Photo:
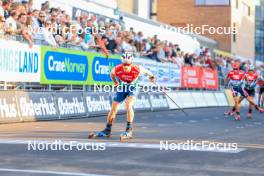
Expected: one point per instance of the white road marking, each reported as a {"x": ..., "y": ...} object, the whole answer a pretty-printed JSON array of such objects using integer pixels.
[
  {"x": 47, "y": 172},
  {"x": 127, "y": 145}
]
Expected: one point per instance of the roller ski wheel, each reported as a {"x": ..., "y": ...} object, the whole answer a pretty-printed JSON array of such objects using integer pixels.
[
  {"x": 237, "y": 118},
  {"x": 127, "y": 135},
  {"x": 229, "y": 113},
  {"x": 98, "y": 135},
  {"x": 250, "y": 116}
]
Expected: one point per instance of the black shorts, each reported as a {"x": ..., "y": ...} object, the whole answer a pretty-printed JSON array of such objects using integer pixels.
[
  {"x": 261, "y": 90},
  {"x": 251, "y": 92},
  {"x": 236, "y": 91}
]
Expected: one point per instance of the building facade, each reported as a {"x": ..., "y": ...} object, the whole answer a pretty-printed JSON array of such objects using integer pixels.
[
  {"x": 217, "y": 19},
  {"x": 142, "y": 8},
  {"x": 260, "y": 32}
]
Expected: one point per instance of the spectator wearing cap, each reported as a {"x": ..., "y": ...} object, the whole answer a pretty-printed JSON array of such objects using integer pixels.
[{"x": 11, "y": 23}]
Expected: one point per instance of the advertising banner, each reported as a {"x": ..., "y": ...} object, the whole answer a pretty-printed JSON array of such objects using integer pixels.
[
  {"x": 142, "y": 102},
  {"x": 63, "y": 66},
  {"x": 73, "y": 67},
  {"x": 209, "y": 78},
  {"x": 18, "y": 62},
  {"x": 191, "y": 77},
  {"x": 167, "y": 74},
  {"x": 174, "y": 76},
  {"x": 70, "y": 104},
  {"x": 97, "y": 103},
  {"x": 147, "y": 64},
  {"x": 36, "y": 106},
  {"x": 100, "y": 69},
  {"x": 158, "y": 101},
  {"x": 9, "y": 112}
]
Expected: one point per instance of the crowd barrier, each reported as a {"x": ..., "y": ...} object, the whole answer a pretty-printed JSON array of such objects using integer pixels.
[{"x": 21, "y": 106}]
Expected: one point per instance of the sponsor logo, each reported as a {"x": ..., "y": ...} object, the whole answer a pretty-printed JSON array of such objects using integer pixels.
[
  {"x": 18, "y": 61},
  {"x": 64, "y": 66},
  {"x": 158, "y": 101},
  {"x": 8, "y": 109},
  {"x": 102, "y": 68},
  {"x": 70, "y": 106},
  {"x": 142, "y": 102},
  {"x": 97, "y": 104},
  {"x": 40, "y": 108}
]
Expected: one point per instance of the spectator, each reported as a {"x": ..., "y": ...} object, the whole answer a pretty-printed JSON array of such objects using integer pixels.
[
  {"x": 47, "y": 34},
  {"x": 101, "y": 44},
  {"x": 73, "y": 37},
  {"x": 188, "y": 60},
  {"x": 209, "y": 62},
  {"x": 35, "y": 17},
  {"x": 161, "y": 53},
  {"x": 22, "y": 27},
  {"x": 11, "y": 24},
  {"x": 4, "y": 8},
  {"x": 2, "y": 29},
  {"x": 138, "y": 40}
]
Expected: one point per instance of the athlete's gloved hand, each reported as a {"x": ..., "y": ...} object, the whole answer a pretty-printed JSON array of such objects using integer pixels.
[{"x": 116, "y": 84}]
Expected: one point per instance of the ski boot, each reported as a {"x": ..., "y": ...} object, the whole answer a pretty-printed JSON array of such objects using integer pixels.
[{"x": 100, "y": 134}]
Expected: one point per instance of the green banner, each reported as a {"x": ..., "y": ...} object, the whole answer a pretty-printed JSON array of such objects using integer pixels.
[{"x": 74, "y": 67}]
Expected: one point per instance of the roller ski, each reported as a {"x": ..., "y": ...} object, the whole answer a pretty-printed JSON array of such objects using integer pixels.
[
  {"x": 250, "y": 115},
  {"x": 126, "y": 135},
  {"x": 100, "y": 134},
  {"x": 229, "y": 113}
]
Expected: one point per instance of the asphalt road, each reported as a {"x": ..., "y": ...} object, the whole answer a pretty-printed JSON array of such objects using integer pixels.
[{"x": 141, "y": 155}]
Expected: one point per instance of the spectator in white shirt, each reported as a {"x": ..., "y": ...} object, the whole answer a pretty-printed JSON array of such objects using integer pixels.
[
  {"x": 11, "y": 23},
  {"x": 47, "y": 34},
  {"x": 4, "y": 8}
]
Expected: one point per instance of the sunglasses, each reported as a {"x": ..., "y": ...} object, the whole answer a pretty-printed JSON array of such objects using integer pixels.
[{"x": 126, "y": 64}]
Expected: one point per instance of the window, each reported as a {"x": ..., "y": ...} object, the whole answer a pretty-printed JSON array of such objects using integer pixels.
[
  {"x": 234, "y": 35},
  {"x": 237, "y": 4},
  {"x": 245, "y": 9},
  {"x": 212, "y": 2}
]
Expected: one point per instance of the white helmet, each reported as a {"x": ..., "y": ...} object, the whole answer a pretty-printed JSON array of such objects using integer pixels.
[
  {"x": 251, "y": 67},
  {"x": 127, "y": 57}
]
